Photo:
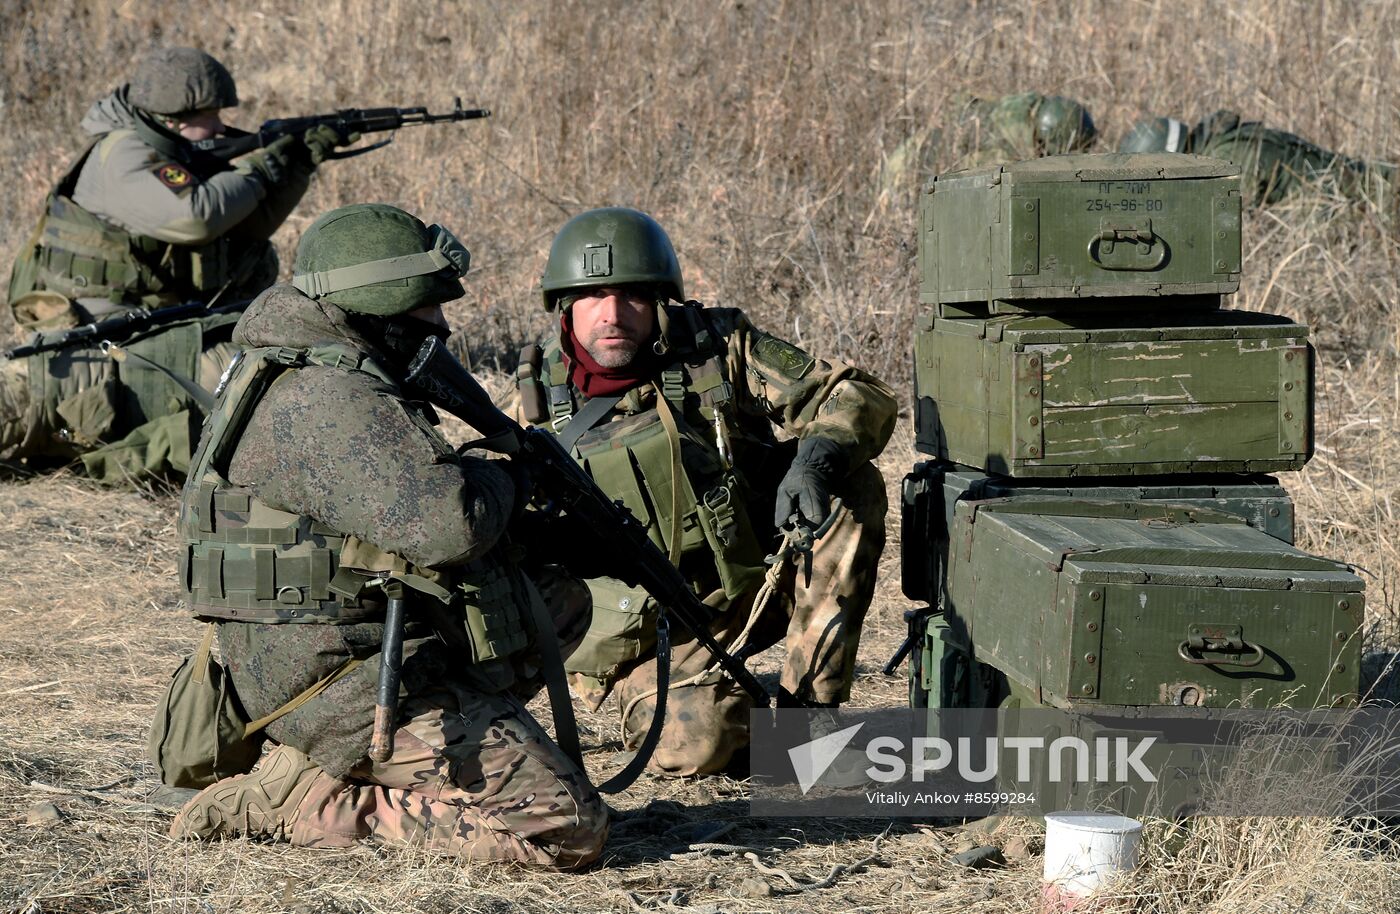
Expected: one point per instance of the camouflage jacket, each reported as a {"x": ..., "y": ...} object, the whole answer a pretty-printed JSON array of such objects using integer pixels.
[
  {"x": 730, "y": 386},
  {"x": 1275, "y": 164},
  {"x": 159, "y": 189},
  {"x": 356, "y": 455},
  {"x": 774, "y": 384}
]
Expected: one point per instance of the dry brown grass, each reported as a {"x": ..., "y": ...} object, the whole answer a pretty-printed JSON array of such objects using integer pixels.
[{"x": 755, "y": 131}]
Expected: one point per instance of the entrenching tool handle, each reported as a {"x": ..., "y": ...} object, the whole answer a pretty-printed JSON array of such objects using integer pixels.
[{"x": 386, "y": 706}]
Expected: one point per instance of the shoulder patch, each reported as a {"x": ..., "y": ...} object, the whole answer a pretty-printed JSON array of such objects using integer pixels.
[
  {"x": 173, "y": 176},
  {"x": 782, "y": 355}
]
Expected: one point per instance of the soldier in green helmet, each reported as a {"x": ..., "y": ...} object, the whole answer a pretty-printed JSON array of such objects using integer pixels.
[
  {"x": 672, "y": 408},
  {"x": 143, "y": 218},
  {"x": 1012, "y": 128},
  {"x": 1273, "y": 164},
  {"x": 321, "y": 490}
]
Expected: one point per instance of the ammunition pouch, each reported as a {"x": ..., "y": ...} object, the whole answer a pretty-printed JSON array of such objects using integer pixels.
[
  {"x": 622, "y": 629},
  {"x": 79, "y": 256},
  {"x": 247, "y": 561},
  {"x": 631, "y": 460},
  {"x": 81, "y": 399}
]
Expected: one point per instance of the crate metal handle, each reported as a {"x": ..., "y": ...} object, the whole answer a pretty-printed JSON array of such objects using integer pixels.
[
  {"x": 1185, "y": 649},
  {"x": 1144, "y": 239}
]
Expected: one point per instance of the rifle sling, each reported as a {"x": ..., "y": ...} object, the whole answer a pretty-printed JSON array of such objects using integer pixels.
[
  {"x": 633, "y": 769},
  {"x": 203, "y": 398},
  {"x": 561, "y": 705},
  {"x": 590, "y": 415}
]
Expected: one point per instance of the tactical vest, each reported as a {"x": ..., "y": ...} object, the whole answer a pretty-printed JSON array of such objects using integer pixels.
[
  {"x": 79, "y": 255},
  {"x": 247, "y": 561},
  {"x": 631, "y": 459},
  {"x": 82, "y": 399}
]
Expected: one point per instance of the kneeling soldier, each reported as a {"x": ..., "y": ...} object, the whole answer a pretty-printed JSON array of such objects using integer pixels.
[
  {"x": 672, "y": 407},
  {"x": 320, "y": 494}
]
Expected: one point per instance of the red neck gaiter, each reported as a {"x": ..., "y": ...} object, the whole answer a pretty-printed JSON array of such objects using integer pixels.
[{"x": 594, "y": 380}]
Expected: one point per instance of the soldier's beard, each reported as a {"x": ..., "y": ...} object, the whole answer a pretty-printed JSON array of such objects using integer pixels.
[{"x": 620, "y": 350}]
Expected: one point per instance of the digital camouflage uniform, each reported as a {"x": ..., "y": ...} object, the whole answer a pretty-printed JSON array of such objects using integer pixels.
[
  {"x": 141, "y": 219},
  {"x": 1273, "y": 164},
  {"x": 1012, "y": 128},
  {"x": 725, "y": 381},
  {"x": 334, "y": 449}
]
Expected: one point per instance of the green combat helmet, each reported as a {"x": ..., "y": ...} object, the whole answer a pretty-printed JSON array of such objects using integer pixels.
[
  {"x": 1063, "y": 125},
  {"x": 1160, "y": 134},
  {"x": 178, "y": 80},
  {"x": 612, "y": 246},
  {"x": 372, "y": 258}
]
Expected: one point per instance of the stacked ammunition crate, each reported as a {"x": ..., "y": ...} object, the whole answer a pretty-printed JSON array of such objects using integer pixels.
[{"x": 1096, "y": 526}]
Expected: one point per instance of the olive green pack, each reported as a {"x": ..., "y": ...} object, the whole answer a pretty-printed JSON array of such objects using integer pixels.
[
  {"x": 1078, "y": 232},
  {"x": 200, "y": 733}
]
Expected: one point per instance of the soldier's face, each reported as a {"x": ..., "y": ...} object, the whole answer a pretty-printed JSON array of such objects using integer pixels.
[
  {"x": 201, "y": 125},
  {"x": 431, "y": 314},
  {"x": 613, "y": 323}
]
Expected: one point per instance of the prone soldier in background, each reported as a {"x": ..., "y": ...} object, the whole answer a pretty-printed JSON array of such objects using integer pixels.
[
  {"x": 321, "y": 473},
  {"x": 1023, "y": 125},
  {"x": 671, "y": 408},
  {"x": 143, "y": 219},
  {"x": 1273, "y": 164}
]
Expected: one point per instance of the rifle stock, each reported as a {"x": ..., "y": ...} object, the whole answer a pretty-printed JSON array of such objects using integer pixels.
[{"x": 449, "y": 385}]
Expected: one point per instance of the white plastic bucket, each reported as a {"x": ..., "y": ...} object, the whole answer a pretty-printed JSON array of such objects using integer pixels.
[{"x": 1084, "y": 850}]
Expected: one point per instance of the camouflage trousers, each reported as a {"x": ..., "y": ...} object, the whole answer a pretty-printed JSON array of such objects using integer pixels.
[
  {"x": 819, "y": 623},
  {"x": 471, "y": 776}
]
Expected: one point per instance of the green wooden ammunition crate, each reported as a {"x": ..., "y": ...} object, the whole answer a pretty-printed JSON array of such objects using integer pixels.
[
  {"x": 933, "y": 489},
  {"x": 1081, "y": 603},
  {"x": 1040, "y": 396},
  {"x": 1077, "y": 231}
]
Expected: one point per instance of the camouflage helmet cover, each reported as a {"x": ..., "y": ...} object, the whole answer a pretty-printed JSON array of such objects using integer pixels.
[
  {"x": 179, "y": 80},
  {"x": 1158, "y": 134},
  {"x": 611, "y": 246},
  {"x": 372, "y": 258},
  {"x": 1063, "y": 125}
]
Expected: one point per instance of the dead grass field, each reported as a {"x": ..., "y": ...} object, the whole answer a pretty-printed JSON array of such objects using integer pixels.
[{"x": 755, "y": 130}]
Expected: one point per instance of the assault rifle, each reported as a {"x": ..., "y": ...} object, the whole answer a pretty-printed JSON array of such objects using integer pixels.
[
  {"x": 445, "y": 383},
  {"x": 346, "y": 121},
  {"x": 120, "y": 327}
]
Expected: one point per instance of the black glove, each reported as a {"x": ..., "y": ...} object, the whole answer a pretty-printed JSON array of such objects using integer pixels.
[
  {"x": 818, "y": 468},
  {"x": 274, "y": 162},
  {"x": 321, "y": 141}
]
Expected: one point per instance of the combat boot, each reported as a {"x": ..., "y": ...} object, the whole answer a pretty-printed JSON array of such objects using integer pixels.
[
  {"x": 259, "y": 804},
  {"x": 845, "y": 771}
]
